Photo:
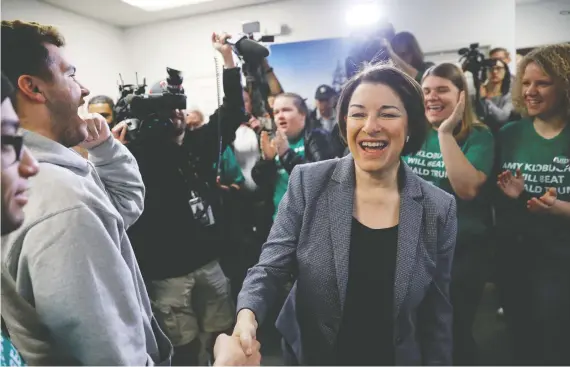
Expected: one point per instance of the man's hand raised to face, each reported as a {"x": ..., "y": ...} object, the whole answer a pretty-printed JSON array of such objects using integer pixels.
[{"x": 97, "y": 131}]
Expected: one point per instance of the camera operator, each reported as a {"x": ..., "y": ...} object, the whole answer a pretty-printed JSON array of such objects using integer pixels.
[
  {"x": 177, "y": 238},
  {"x": 368, "y": 46},
  {"x": 406, "y": 53}
]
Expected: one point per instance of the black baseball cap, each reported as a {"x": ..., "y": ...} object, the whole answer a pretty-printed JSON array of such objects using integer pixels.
[{"x": 324, "y": 92}]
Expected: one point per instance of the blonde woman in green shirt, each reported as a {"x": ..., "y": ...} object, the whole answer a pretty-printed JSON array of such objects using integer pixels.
[
  {"x": 533, "y": 210},
  {"x": 458, "y": 157}
]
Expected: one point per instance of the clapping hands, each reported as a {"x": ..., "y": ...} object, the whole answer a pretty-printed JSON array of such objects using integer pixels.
[
  {"x": 544, "y": 203},
  {"x": 511, "y": 185}
]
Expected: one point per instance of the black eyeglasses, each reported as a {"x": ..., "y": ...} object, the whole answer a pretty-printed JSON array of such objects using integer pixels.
[{"x": 16, "y": 142}]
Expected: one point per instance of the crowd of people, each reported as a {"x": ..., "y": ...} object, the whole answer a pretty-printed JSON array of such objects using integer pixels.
[{"x": 363, "y": 229}]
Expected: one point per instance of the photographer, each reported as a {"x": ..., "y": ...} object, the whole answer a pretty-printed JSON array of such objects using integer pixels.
[
  {"x": 406, "y": 53},
  {"x": 368, "y": 46},
  {"x": 177, "y": 238}
]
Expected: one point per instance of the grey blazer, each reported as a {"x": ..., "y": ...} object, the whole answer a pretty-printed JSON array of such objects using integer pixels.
[{"x": 310, "y": 242}]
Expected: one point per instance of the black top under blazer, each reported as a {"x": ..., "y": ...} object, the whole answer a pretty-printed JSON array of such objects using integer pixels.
[{"x": 309, "y": 244}]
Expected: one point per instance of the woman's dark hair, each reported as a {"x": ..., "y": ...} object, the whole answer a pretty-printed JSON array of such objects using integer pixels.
[
  {"x": 506, "y": 83},
  {"x": 410, "y": 43},
  {"x": 405, "y": 87},
  {"x": 102, "y": 100}
]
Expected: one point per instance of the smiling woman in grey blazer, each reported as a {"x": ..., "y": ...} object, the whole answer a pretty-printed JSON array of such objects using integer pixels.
[{"x": 368, "y": 244}]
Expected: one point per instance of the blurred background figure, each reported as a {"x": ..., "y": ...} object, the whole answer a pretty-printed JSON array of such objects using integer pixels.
[
  {"x": 495, "y": 93},
  {"x": 104, "y": 106},
  {"x": 324, "y": 115},
  {"x": 406, "y": 53},
  {"x": 194, "y": 119}
]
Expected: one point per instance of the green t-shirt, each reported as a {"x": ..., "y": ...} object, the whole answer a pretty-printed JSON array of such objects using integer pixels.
[
  {"x": 230, "y": 171},
  {"x": 473, "y": 216},
  {"x": 544, "y": 163},
  {"x": 298, "y": 147}
]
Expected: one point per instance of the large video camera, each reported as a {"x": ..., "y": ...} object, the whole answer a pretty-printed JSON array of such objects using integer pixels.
[
  {"x": 150, "y": 113},
  {"x": 252, "y": 54},
  {"x": 475, "y": 62}
]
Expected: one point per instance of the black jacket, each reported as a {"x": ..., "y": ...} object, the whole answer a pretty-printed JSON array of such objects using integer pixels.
[
  {"x": 317, "y": 148},
  {"x": 338, "y": 145},
  {"x": 167, "y": 240}
]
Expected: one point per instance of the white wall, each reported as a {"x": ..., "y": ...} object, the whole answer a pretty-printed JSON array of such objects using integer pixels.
[
  {"x": 96, "y": 49},
  {"x": 439, "y": 25},
  {"x": 540, "y": 24}
]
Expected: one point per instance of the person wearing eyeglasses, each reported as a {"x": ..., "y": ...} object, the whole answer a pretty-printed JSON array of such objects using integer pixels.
[
  {"x": 496, "y": 100},
  {"x": 17, "y": 166}
]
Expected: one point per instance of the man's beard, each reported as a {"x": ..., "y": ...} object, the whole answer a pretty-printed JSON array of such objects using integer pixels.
[
  {"x": 246, "y": 140},
  {"x": 65, "y": 123}
]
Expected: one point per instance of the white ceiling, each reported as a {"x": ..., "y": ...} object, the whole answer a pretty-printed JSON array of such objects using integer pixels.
[{"x": 118, "y": 13}]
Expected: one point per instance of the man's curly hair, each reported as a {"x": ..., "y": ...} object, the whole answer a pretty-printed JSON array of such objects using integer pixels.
[{"x": 555, "y": 62}]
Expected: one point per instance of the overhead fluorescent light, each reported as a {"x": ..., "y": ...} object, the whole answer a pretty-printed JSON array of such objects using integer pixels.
[
  {"x": 158, "y": 5},
  {"x": 363, "y": 15}
]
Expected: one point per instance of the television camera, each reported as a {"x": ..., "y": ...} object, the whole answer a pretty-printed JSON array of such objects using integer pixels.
[
  {"x": 252, "y": 54},
  {"x": 475, "y": 62},
  {"x": 149, "y": 113}
]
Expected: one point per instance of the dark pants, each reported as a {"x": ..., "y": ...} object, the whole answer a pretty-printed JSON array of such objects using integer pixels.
[
  {"x": 468, "y": 277},
  {"x": 535, "y": 292}
]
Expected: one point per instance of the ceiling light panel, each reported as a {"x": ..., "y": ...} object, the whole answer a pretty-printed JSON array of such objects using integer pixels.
[{"x": 158, "y": 5}]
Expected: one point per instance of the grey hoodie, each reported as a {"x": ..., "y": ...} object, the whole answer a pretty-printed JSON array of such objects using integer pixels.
[{"x": 73, "y": 263}]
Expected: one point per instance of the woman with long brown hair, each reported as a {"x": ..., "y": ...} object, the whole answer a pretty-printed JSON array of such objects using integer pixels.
[{"x": 458, "y": 158}]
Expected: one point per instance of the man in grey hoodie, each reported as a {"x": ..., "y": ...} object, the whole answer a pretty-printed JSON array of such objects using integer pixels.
[{"x": 71, "y": 259}]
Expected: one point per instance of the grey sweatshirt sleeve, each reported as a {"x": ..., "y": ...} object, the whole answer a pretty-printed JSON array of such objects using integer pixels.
[
  {"x": 83, "y": 290},
  {"x": 119, "y": 171},
  {"x": 502, "y": 111}
]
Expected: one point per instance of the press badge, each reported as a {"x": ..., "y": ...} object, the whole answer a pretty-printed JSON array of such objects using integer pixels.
[{"x": 203, "y": 215}]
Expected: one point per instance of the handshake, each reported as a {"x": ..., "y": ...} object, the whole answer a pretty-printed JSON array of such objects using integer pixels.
[{"x": 241, "y": 348}]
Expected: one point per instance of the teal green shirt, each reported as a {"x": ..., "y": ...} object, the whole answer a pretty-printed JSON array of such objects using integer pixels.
[
  {"x": 479, "y": 149},
  {"x": 9, "y": 355},
  {"x": 544, "y": 163},
  {"x": 298, "y": 147},
  {"x": 230, "y": 171}
]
